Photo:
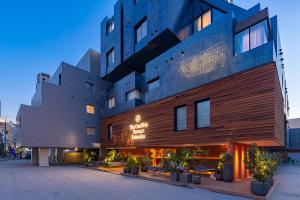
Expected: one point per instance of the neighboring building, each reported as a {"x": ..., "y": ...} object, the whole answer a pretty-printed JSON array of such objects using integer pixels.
[
  {"x": 174, "y": 73},
  {"x": 64, "y": 111},
  {"x": 293, "y": 144}
]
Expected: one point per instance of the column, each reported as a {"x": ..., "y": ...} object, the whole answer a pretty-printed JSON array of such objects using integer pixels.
[{"x": 43, "y": 157}]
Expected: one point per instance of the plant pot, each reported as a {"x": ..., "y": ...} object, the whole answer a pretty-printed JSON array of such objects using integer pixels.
[
  {"x": 196, "y": 179},
  {"x": 135, "y": 171},
  {"x": 117, "y": 164},
  {"x": 270, "y": 182},
  {"x": 228, "y": 172},
  {"x": 174, "y": 176},
  {"x": 126, "y": 170},
  {"x": 185, "y": 178},
  {"x": 219, "y": 176},
  {"x": 144, "y": 169},
  {"x": 259, "y": 188}
]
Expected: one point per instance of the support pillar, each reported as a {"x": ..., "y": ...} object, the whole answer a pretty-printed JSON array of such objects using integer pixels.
[
  {"x": 43, "y": 157},
  {"x": 60, "y": 155},
  {"x": 34, "y": 156}
]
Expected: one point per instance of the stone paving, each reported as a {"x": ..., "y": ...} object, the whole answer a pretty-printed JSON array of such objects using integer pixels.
[
  {"x": 288, "y": 187},
  {"x": 21, "y": 181}
]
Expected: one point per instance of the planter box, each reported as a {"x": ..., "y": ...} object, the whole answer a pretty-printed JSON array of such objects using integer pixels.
[
  {"x": 174, "y": 176},
  {"x": 228, "y": 172},
  {"x": 259, "y": 188},
  {"x": 117, "y": 164},
  {"x": 196, "y": 179},
  {"x": 144, "y": 168},
  {"x": 185, "y": 177},
  {"x": 219, "y": 177},
  {"x": 126, "y": 171},
  {"x": 135, "y": 171}
]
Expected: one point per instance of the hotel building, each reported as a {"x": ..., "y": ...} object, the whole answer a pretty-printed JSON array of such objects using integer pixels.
[{"x": 182, "y": 73}]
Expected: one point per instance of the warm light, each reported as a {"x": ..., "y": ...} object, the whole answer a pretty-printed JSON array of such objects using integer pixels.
[
  {"x": 90, "y": 109},
  {"x": 236, "y": 163},
  {"x": 138, "y": 129},
  {"x": 242, "y": 163},
  {"x": 76, "y": 149}
]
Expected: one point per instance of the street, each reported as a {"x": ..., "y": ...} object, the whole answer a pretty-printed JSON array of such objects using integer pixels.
[{"x": 21, "y": 181}]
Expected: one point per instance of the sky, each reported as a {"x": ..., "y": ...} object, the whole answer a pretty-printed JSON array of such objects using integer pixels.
[{"x": 35, "y": 36}]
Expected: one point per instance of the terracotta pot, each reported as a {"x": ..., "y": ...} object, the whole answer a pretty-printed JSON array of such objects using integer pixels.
[{"x": 135, "y": 171}]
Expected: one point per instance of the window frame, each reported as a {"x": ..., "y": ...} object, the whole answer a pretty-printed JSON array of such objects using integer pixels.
[
  {"x": 130, "y": 91},
  {"x": 111, "y": 105},
  {"x": 196, "y": 113},
  {"x": 111, "y": 51},
  {"x": 109, "y": 132},
  {"x": 175, "y": 118},
  {"x": 268, "y": 35},
  {"x": 87, "y": 109},
  {"x": 110, "y": 26},
  {"x": 90, "y": 127},
  {"x": 195, "y": 28},
  {"x": 138, "y": 26},
  {"x": 153, "y": 81}
]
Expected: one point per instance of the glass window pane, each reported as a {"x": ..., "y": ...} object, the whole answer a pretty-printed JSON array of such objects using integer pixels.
[
  {"x": 206, "y": 19},
  {"x": 181, "y": 118},
  {"x": 110, "y": 132},
  {"x": 141, "y": 31},
  {"x": 90, "y": 130},
  {"x": 241, "y": 42},
  {"x": 153, "y": 84},
  {"x": 144, "y": 29},
  {"x": 90, "y": 109},
  {"x": 203, "y": 114},
  {"x": 258, "y": 34},
  {"x": 198, "y": 24},
  {"x": 135, "y": 94},
  {"x": 111, "y": 102}
]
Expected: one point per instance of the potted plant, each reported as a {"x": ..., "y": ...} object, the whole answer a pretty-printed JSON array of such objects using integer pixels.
[
  {"x": 170, "y": 163},
  {"x": 146, "y": 163},
  {"x": 261, "y": 165},
  {"x": 228, "y": 168},
  {"x": 88, "y": 157},
  {"x": 185, "y": 156},
  {"x": 132, "y": 166},
  {"x": 220, "y": 166}
]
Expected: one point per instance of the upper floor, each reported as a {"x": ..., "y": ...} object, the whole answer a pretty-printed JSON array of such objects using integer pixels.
[{"x": 155, "y": 49}]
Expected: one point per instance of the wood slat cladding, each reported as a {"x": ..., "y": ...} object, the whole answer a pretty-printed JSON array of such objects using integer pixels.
[{"x": 245, "y": 108}]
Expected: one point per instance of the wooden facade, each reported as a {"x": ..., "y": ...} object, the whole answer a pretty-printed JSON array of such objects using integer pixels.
[{"x": 245, "y": 108}]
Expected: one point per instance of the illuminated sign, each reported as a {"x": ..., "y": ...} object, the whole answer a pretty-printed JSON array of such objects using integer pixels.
[{"x": 138, "y": 129}]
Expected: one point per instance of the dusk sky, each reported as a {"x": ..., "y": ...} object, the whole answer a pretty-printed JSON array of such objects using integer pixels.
[{"x": 35, "y": 36}]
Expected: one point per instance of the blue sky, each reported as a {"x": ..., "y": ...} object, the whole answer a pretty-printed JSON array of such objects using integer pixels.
[{"x": 35, "y": 36}]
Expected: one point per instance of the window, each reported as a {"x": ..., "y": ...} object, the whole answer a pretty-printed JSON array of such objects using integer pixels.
[
  {"x": 251, "y": 38},
  {"x": 153, "y": 84},
  {"x": 90, "y": 109},
  {"x": 134, "y": 94},
  {"x": 180, "y": 118},
  {"x": 203, "y": 114},
  {"x": 90, "y": 130},
  {"x": 259, "y": 34},
  {"x": 110, "y": 132},
  {"x": 110, "y": 58},
  {"x": 89, "y": 86},
  {"x": 141, "y": 31},
  {"x": 111, "y": 102},
  {"x": 202, "y": 21},
  {"x": 110, "y": 27},
  {"x": 241, "y": 42}
]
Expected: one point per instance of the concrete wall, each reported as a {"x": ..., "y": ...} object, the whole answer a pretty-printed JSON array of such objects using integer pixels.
[{"x": 60, "y": 119}]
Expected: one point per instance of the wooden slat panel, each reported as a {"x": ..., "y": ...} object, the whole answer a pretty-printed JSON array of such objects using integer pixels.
[{"x": 245, "y": 107}]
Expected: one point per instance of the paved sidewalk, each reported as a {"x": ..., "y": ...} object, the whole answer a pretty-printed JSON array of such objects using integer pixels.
[
  {"x": 21, "y": 181},
  {"x": 288, "y": 187}
]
